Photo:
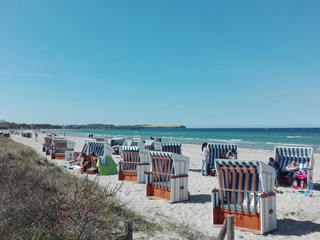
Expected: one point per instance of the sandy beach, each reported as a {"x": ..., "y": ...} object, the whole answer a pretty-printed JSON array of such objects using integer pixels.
[{"x": 298, "y": 215}]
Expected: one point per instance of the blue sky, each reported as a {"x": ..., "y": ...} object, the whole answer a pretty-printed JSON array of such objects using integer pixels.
[{"x": 196, "y": 63}]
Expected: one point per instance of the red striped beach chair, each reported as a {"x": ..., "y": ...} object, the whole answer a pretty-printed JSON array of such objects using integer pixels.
[
  {"x": 47, "y": 145},
  {"x": 134, "y": 164},
  {"x": 246, "y": 191},
  {"x": 168, "y": 178},
  {"x": 284, "y": 155},
  {"x": 62, "y": 149}
]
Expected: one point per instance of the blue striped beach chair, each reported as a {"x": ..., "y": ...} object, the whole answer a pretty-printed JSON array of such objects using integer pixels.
[
  {"x": 92, "y": 145},
  {"x": 246, "y": 191},
  {"x": 171, "y": 147},
  {"x": 284, "y": 155},
  {"x": 216, "y": 150},
  {"x": 134, "y": 164},
  {"x": 168, "y": 178}
]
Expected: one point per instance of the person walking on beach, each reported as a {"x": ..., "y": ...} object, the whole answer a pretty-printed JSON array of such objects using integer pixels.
[
  {"x": 205, "y": 159},
  {"x": 36, "y": 136}
]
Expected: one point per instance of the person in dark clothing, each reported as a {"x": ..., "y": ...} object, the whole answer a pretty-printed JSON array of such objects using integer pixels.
[{"x": 277, "y": 170}]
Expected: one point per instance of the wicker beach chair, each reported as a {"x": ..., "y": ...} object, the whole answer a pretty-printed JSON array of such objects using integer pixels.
[
  {"x": 92, "y": 145},
  {"x": 153, "y": 145},
  {"x": 62, "y": 149},
  {"x": 246, "y": 191},
  {"x": 284, "y": 155},
  {"x": 216, "y": 151},
  {"x": 135, "y": 162},
  {"x": 47, "y": 146},
  {"x": 168, "y": 178}
]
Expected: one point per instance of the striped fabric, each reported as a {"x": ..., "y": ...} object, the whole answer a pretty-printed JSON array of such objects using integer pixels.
[
  {"x": 93, "y": 146},
  {"x": 59, "y": 146},
  {"x": 216, "y": 150},
  {"x": 285, "y": 155},
  {"x": 168, "y": 178},
  {"x": 162, "y": 169},
  {"x": 171, "y": 147},
  {"x": 166, "y": 164},
  {"x": 246, "y": 188},
  {"x": 129, "y": 148},
  {"x": 236, "y": 175},
  {"x": 130, "y": 156},
  {"x": 48, "y": 141}
]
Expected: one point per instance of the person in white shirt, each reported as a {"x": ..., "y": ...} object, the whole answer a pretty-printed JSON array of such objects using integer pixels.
[{"x": 205, "y": 159}]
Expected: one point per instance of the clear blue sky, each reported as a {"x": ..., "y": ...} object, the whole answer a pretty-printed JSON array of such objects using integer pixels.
[{"x": 205, "y": 63}]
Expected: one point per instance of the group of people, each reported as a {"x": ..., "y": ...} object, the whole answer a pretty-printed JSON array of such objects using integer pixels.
[
  {"x": 205, "y": 157},
  {"x": 86, "y": 161},
  {"x": 293, "y": 171}
]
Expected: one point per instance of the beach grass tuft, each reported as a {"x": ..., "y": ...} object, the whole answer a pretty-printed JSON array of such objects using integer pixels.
[{"x": 40, "y": 201}]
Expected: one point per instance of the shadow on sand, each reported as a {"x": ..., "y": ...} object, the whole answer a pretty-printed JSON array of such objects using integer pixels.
[
  {"x": 195, "y": 170},
  {"x": 200, "y": 198},
  {"x": 291, "y": 227}
]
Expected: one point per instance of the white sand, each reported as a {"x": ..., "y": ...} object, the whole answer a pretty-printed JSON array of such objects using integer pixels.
[{"x": 298, "y": 215}]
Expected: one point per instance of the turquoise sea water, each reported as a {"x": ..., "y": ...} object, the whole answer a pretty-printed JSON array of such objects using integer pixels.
[{"x": 252, "y": 138}]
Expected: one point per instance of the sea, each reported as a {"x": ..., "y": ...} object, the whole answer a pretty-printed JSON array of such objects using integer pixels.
[{"x": 250, "y": 138}]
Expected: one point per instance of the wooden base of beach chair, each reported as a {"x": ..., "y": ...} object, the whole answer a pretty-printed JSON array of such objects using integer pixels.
[
  {"x": 244, "y": 222},
  {"x": 58, "y": 156},
  {"x": 152, "y": 192},
  {"x": 127, "y": 177},
  {"x": 47, "y": 153}
]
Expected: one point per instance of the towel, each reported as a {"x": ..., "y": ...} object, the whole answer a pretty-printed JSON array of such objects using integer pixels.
[{"x": 104, "y": 162}]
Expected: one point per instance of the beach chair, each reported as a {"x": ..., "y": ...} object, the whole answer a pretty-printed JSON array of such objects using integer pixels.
[
  {"x": 216, "y": 150},
  {"x": 246, "y": 191},
  {"x": 134, "y": 164},
  {"x": 171, "y": 147},
  {"x": 92, "y": 145},
  {"x": 168, "y": 178},
  {"x": 62, "y": 149},
  {"x": 47, "y": 146},
  {"x": 153, "y": 145},
  {"x": 106, "y": 164},
  {"x": 136, "y": 142},
  {"x": 284, "y": 155}
]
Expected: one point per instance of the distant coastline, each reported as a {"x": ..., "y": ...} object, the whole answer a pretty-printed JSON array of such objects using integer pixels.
[{"x": 7, "y": 125}]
